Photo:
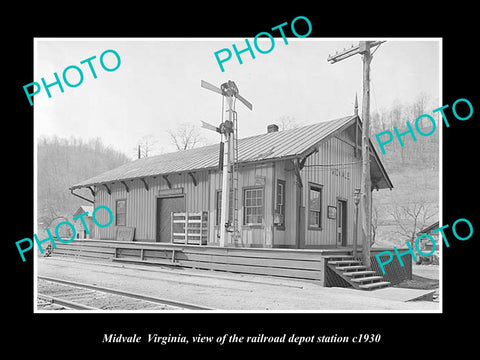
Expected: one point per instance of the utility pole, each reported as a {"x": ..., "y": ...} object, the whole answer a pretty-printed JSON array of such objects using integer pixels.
[{"x": 363, "y": 48}]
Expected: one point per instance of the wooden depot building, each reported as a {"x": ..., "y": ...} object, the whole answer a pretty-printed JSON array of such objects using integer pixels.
[
  {"x": 295, "y": 188},
  {"x": 295, "y": 191}
]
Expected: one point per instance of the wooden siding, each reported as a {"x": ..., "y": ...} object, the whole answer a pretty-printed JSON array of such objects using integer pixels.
[
  {"x": 284, "y": 170},
  {"x": 141, "y": 204},
  {"x": 260, "y": 175},
  {"x": 338, "y": 182}
]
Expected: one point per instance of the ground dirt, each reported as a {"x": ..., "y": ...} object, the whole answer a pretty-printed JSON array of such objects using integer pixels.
[
  {"x": 423, "y": 277},
  {"x": 227, "y": 291}
]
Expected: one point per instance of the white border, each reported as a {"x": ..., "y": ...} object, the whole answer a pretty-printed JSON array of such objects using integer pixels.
[{"x": 381, "y": 311}]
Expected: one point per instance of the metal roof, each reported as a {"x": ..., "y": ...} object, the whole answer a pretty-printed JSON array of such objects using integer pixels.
[
  {"x": 268, "y": 146},
  {"x": 429, "y": 229},
  {"x": 83, "y": 209}
]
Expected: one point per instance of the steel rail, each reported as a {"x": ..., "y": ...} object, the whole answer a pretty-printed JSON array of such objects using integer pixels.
[
  {"x": 170, "y": 302},
  {"x": 66, "y": 303}
]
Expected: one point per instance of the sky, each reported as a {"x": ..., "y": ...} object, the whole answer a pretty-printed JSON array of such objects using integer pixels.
[{"x": 157, "y": 86}]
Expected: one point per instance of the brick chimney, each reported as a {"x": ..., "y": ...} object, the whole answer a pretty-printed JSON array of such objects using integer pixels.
[{"x": 272, "y": 128}]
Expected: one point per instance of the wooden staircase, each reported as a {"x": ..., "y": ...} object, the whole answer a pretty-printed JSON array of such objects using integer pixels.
[{"x": 354, "y": 272}]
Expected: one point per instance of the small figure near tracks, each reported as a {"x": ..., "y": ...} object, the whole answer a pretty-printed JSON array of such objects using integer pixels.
[{"x": 48, "y": 250}]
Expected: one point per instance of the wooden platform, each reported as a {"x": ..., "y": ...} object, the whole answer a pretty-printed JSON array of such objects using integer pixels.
[
  {"x": 291, "y": 263},
  {"x": 309, "y": 264}
]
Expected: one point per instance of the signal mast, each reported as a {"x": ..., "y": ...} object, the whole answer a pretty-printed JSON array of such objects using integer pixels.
[{"x": 228, "y": 160}]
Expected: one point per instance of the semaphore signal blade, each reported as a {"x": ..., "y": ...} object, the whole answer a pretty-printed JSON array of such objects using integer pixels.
[
  {"x": 210, "y": 87},
  {"x": 244, "y": 101},
  {"x": 210, "y": 127}
]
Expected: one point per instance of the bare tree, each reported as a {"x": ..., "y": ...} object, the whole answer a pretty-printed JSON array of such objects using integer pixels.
[
  {"x": 185, "y": 136},
  {"x": 287, "y": 122},
  {"x": 419, "y": 105},
  {"x": 411, "y": 218},
  {"x": 46, "y": 216},
  {"x": 145, "y": 146}
]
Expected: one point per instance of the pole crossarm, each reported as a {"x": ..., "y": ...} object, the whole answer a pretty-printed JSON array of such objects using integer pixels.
[{"x": 354, "y": 50}]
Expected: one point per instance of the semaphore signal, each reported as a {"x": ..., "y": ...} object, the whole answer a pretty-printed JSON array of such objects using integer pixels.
[{"x": 228, "y": 161}]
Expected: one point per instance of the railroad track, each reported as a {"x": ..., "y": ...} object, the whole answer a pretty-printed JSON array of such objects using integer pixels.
[{"x": 59, "y": 294}]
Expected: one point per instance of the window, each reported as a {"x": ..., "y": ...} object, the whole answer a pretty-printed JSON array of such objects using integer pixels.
[
  {"x": 121, "y": 212},
  {"x": 280, "y": 204},
  {"x": 253, "y": 206},
  {"x": 314, "y": 206},
  {"x": 219, "y": 206}
]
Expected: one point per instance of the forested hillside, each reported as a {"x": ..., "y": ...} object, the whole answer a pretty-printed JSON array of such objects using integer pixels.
[
  {"x": 423, "y": 151},
  {"x": 62, "y": 163},
  {"x": 414, "y": 170}
]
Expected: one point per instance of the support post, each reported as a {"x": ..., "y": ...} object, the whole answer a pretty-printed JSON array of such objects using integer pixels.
[
  {"x": 171, "y": 227},
  {"x": 225, "y": 183},
  {"x": 366, "y": 198},
  {"x": 356, "y": 198},
  {"x": 126, "y": 186},
  {"x": 144, "y": 183},
  {"x": 169, "y": 184},
  {"x": 356, "y": 126},
  {"x": 300, "y": 214},
  {"x": 108, "y": 189},
  {"x": 194, "y": 179}
]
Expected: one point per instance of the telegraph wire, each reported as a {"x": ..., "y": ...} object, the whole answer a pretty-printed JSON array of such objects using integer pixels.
[{"x": 334, "y": 165}]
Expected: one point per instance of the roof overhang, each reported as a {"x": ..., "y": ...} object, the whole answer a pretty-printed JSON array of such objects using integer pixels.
[{"x": 379, "y": 176}]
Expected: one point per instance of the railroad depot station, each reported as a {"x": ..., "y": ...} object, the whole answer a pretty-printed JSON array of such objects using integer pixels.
[
  {"x": 293, "y": 212},
  {"x": 288, "y": 197}
]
